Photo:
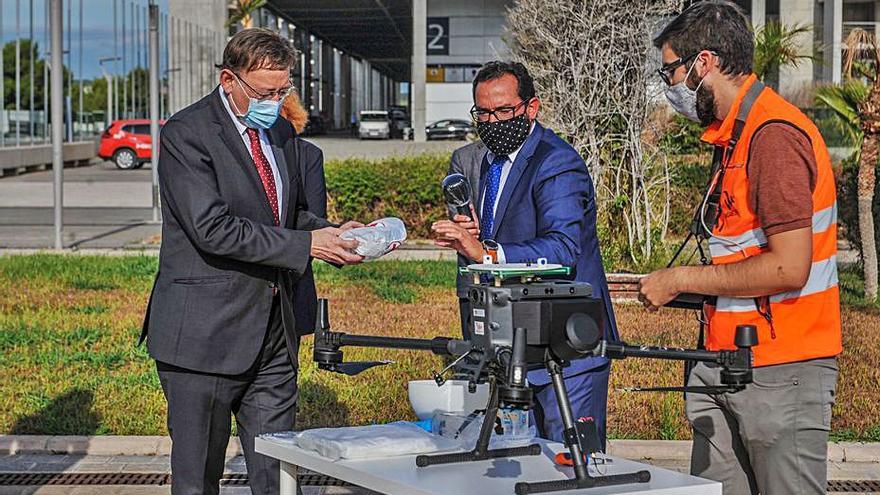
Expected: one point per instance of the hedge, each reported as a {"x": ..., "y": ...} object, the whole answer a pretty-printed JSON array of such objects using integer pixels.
[{"x": 407, "y": 187}]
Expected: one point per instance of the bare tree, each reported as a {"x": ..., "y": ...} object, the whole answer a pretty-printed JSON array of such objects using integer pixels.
[{"x": 589, "y": 61}]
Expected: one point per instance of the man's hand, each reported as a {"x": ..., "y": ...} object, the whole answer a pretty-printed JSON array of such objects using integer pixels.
[
  {"x": 658, "y": 288},
  {"x": 452, "y": 235},
  {"x": 327, "y": 245},
  {"x": 469, "y": 223},
  {"x": 351, "y": 224}
]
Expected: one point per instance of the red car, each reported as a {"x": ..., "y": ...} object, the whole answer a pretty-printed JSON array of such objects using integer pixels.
[{"x": 127, "y": 143}]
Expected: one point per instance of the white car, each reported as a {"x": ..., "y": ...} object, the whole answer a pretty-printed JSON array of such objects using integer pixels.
[{"x": 374, "y": 124}]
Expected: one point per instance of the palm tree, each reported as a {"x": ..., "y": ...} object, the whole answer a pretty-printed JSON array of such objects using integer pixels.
[
  {"x": 860, "y": 45},
  {"x": 844, "y": 101},
  {"x": 777, "y": 45},
  {"x": 242, "y": 12}
]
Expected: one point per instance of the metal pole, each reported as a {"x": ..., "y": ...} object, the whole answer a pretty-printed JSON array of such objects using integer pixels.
[
  {"x": 46, "y": 82},
  {"x": 135, "y": 29},
  {"x": 57, "y": 110},
  {"x": 419, "y": 64},
  {"x": 80, "y": 113},
  {"x": 124, "y": 36},
  {"x": 115, "y": 67},
  {"x": 69, "y": 100},
  {"x": 31, "y": 57},
  {"x": 2, "y": 86},
  {"x": 154, "y": 105},
  {"x": 17, "y": 73}
]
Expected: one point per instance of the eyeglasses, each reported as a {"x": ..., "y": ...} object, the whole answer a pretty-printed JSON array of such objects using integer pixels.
[
  {"x": 666, "y": 70},
  {"x": 278, "y": 94},
  {"x": 500, "y": 113}
]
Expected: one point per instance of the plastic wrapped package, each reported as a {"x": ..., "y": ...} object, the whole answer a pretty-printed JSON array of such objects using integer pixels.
[
  {"x": 362, "y": 442},
  {"x": 377, "y": 238},
  {"x": 466, "y": 429}
]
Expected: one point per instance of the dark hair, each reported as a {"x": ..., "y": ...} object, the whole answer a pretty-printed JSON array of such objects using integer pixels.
[
  {"x": 497, "y": 68},
  {"x": 257, "y": 48},
  {"x": 715, "y": 25}
]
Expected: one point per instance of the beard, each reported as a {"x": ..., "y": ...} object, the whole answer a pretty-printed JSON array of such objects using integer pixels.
[{"x": 705, "y": 101}]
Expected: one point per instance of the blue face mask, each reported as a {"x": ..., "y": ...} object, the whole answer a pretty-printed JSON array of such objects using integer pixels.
[{"x": 261, "y": 114}]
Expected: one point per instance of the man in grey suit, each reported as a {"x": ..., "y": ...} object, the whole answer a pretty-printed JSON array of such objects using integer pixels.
[
  {"x": 467, "y": 161},
  {"x": 236, "y": 237}
]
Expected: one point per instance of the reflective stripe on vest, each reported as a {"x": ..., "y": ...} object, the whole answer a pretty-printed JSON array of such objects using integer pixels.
[
  {"x": 726, "y": 246},
  {"x": 823, "y": 276}
]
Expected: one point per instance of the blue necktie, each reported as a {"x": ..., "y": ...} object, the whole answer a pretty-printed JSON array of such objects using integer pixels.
[{"x": 493, "y": 183}]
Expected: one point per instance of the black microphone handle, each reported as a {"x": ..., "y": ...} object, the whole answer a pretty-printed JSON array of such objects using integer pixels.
[{"x": 463, "y": 210}]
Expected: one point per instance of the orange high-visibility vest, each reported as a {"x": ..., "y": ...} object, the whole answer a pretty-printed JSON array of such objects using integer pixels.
[{"x": 792, "y": 326}]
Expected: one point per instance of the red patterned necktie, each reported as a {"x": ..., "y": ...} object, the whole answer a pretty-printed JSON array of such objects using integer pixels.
[{"x": 265, "y": 171}]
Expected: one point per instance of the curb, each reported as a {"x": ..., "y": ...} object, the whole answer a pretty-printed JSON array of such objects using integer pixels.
[{"x": 159, "y": 445}]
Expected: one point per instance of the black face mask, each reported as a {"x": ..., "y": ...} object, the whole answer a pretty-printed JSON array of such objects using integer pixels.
[{"x": 503, "y": 137}]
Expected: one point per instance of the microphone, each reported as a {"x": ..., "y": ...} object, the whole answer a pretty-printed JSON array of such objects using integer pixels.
[{"x": 457, "y": 192}]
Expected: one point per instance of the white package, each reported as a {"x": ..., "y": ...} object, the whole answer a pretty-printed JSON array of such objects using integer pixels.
[
  {"x": 362, "y": 442},
  {"x": 377, "y": 238}
]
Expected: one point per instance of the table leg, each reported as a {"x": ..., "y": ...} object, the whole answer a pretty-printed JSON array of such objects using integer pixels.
[{"x": 288, "y": 482}]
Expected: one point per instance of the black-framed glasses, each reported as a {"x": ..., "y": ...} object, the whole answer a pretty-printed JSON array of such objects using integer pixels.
[
  {"x": 279, "y": 94},
  {"x": 666, "y": 70},
  {"x": 500, "y": 113}
]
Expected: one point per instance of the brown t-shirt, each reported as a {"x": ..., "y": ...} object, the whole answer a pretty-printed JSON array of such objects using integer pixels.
[{"x": 782, "y": 177}]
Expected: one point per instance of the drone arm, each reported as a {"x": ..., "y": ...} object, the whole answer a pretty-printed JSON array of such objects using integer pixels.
[
  {"x": 437, "y": 345},
  {"x": 621, "y": 350}
]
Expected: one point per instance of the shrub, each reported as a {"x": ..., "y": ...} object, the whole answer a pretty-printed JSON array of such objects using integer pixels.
[
  {"x": 682, "y": 136},
  {"x": 407, "y": 187},
  {"x": 848, "y": 203}
]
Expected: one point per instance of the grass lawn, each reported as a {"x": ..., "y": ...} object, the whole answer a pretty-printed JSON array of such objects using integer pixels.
[{"x": 68, "y": 364}]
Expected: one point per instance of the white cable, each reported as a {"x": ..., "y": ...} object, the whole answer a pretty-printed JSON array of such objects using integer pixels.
[{"x": 728, "y": 240}]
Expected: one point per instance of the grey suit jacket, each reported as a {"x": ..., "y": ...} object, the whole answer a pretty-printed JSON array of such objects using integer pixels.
[
  {"x": 221, "y": 254},
  {"x": 468, "y": 161}
]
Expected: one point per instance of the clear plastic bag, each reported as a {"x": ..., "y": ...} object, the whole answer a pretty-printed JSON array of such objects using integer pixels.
[
  {"x": 378, "y": 238},
  {"x": 466, "y": 429},
  {"x": 362, "y": 442}
]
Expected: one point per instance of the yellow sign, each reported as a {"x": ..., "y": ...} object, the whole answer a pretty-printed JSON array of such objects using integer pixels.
[{"x": 435, "y": 74}]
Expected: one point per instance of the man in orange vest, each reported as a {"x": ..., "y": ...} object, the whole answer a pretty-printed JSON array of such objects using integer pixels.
[{"x": 770, "y": 218}]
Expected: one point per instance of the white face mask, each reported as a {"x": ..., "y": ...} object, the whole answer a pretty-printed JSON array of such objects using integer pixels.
[{"x": 684, "y": 99}]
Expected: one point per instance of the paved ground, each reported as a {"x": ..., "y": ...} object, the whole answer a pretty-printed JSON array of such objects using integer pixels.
[{"x": 107, "y": 208}]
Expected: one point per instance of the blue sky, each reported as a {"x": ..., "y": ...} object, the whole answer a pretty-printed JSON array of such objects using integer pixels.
[{"x": 97, "y": 29}]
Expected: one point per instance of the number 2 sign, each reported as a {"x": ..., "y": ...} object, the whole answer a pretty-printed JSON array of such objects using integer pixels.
[{"x": 438, "y": 36}]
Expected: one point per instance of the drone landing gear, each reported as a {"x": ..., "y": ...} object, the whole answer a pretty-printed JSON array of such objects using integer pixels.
[
  {"x": 482, "y": 451},
  {"x": 582, "y": 477}
]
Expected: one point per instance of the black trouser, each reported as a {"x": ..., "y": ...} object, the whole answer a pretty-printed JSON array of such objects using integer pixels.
[{"x": 200, "y": 405}]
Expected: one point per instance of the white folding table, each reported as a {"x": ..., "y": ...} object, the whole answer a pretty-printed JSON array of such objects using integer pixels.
[{"x": 400, "y": 476}]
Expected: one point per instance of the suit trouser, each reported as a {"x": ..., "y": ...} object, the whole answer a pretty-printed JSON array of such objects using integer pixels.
[
  {"x": 200, "y": 405},
  {"x": 770, "y": 438},
  {"x": 588, "y": 393}
]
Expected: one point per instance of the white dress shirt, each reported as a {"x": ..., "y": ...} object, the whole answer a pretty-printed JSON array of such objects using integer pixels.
[{"x": 264, "y": 144}]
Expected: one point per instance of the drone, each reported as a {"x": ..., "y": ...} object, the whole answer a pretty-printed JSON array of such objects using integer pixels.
[{"x": 523, "y": 316}]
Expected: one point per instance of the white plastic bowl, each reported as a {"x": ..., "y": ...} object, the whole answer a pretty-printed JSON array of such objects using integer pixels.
[{"x": 427, "y": 399}]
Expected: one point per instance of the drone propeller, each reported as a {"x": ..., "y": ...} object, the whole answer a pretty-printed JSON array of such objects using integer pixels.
[{"x": 356, "y": 367}]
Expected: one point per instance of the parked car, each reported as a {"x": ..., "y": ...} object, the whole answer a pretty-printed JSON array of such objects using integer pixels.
[
  {"x": 127, "y": 143},
  {"x": 374, "y": 124},
  {"x": 450, "y": 129}
]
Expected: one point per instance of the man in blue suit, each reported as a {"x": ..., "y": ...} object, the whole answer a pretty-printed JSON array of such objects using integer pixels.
[{"x": 536, "y": 201}]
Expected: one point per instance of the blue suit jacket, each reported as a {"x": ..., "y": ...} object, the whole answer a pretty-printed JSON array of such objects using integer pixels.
[{"x": 547, "y": 209}]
